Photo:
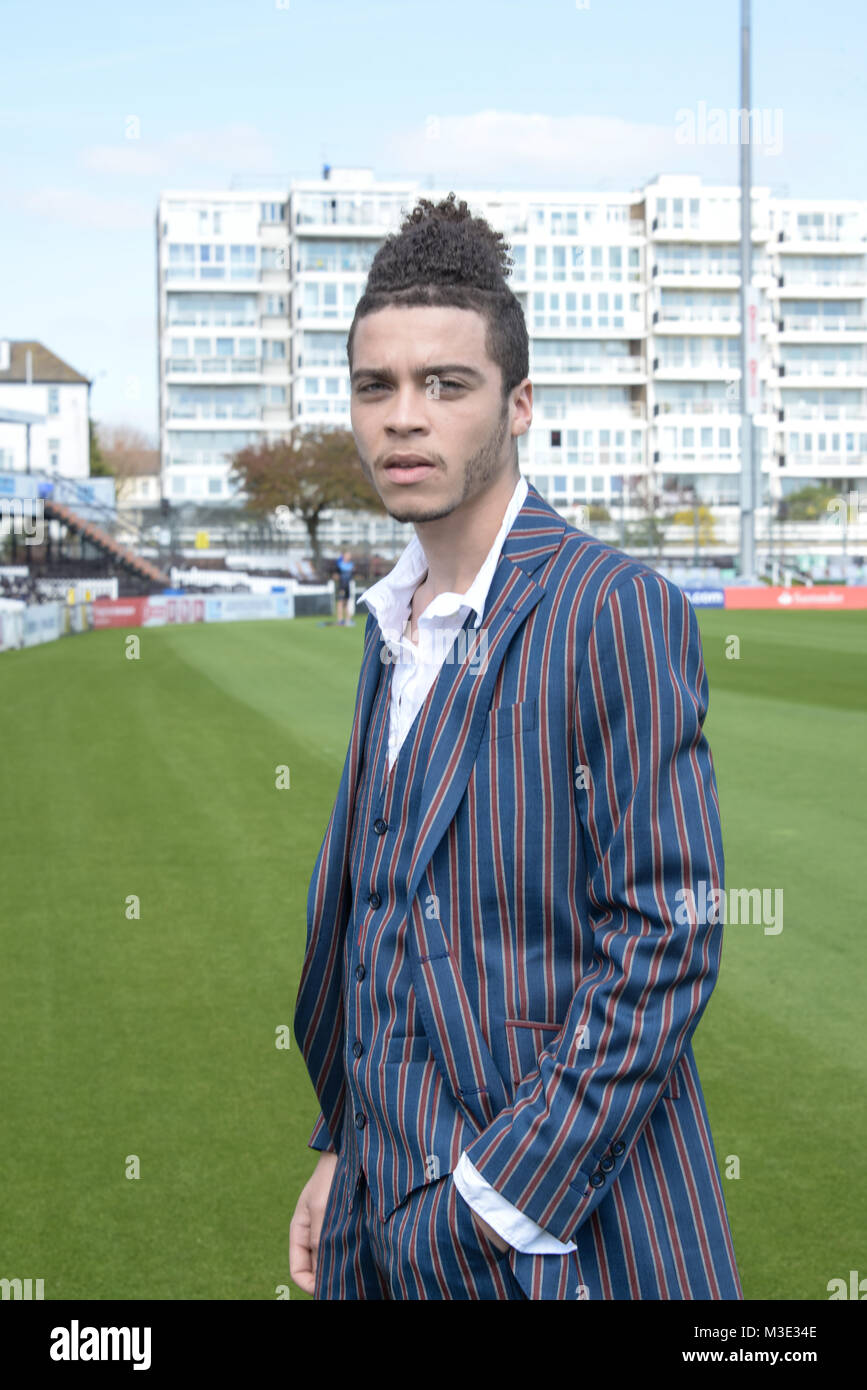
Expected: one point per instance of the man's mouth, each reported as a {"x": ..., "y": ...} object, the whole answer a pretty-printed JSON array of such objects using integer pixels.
[{"x": 409, "y": 468}]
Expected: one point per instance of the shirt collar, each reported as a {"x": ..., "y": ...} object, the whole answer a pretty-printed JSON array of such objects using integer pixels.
[{"x": 390, "y": 597}]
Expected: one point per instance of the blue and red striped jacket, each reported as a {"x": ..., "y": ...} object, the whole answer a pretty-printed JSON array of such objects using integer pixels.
[{"x": 564, "y": 798}]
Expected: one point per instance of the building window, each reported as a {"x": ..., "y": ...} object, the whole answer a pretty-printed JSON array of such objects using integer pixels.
[
  {"x": 54, "y": 454},
  {"x": 556, "y": 437},
  {"x": 54, "y": 400}
]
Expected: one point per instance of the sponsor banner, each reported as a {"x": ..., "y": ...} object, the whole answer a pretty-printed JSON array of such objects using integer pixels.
[
  {"x": 118, "y": 612},
  {"x": 43, "y": 622},
  {"x": 166, "y": 608},
  {"x": 706, "y": 598},
  {"x": 227, "y": 608},
  {"x": 819, "y": 596}
]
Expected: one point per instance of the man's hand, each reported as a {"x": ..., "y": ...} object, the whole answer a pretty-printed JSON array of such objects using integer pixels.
[
  {"x": 489, "y": 1231},
  {"x": 306, "y": 1224}
]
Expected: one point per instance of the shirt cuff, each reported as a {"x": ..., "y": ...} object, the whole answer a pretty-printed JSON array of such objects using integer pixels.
[{"x": 507, "y": 1221}]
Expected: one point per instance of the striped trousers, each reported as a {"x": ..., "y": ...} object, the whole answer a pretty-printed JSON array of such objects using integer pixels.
[{"x": 428, "y": 1247}]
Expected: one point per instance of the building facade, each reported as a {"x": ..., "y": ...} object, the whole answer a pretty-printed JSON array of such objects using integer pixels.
[
  {"x": 632, "y": 306},
  {"x": 41, "y": 388}
]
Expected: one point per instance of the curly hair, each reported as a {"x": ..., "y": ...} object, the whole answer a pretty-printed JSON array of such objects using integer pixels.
[{"x": 444, "y": 256}]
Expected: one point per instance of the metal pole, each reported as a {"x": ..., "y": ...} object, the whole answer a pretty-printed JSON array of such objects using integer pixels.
[{"x": 747, "y": 491}]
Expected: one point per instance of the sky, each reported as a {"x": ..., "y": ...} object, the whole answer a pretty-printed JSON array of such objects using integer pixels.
[{"x": 548, "y": 95}]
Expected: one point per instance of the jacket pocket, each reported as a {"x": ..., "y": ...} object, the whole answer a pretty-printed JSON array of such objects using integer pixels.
[
  {"x": 506, "y": 721},
  {"x": 526, "y": 1039}
]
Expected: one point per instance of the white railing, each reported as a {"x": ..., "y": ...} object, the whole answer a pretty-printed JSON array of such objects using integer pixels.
[
  {"x": 824, "y": 323},
  {"x": 690, "y": 313},
  {"x": 824, "y": 277},
  {"x": 590, "y": 366},
  {"x": 214, "y": 365},
  {"x": 802, "y": 411},
  {"x": 637, "y": 410},
  {"x": 698, "y": 408},
  {"x": 818, "y": 368},
  {"x": 697, "y": 363},
  {"x": 697, "y": 268}
]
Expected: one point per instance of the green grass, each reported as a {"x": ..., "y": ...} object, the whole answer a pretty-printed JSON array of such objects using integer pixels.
[{"x": 154, "y": 1036}]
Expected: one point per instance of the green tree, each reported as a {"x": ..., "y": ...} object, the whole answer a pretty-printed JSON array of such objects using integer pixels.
[{"x": 310, "y": 472}]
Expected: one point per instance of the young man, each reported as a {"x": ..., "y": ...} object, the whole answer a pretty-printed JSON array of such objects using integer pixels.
[{"x": 500, "y": 984}]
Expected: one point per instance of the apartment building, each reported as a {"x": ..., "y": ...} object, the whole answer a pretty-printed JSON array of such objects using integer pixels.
[{"x": 632, "y": 306}]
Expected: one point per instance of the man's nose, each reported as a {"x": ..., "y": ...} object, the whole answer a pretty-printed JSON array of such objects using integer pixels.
[{"x": 406, "y": 409}]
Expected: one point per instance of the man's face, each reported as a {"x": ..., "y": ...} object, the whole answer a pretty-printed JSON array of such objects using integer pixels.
[{"x": 423, "y": 385}]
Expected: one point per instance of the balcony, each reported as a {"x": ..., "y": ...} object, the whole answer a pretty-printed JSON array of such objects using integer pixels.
[
  {"x": 597, "y": 367},
  {"x": 818, "y": 368},
  {"x": 800, "y": 410},
  {"x": 791, "y": 278},
  {"x": 213, "y": 366},
  {"x": 822, "y": 323},
  {"x": 695, "y": 368},
  {"x": 636, "y": 410},
  {"x": 832, "y": 234},
  {"x": 213, "y": 412},
  {"x": 687, "y": 407}
]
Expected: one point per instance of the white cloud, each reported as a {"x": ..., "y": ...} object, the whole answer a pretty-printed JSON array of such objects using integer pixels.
[
  {"x": 79, "y": 208},
  {"x": 234, "y": 148},
  {"x": 532, "y": 150}
]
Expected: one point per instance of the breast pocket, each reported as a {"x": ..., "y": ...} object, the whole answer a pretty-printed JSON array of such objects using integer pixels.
[
  {"x": 527, "y": 1039},
  {"x": 509, "y": 721}
]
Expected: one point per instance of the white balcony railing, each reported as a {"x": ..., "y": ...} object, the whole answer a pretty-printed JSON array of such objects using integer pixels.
[
  {"x": 819, "y": 368},
  {"x": 213, "y": 366},
  {"x": 637, "y": 410},
  {"x": 590, "y": 366},
  {"x": 803, "y": 411},
  {"x": 822, "y": 323},
  {"x": 691, "y": 313},
  {"x": 824, "y": 277},
  {"x": 697, "y": 408}
]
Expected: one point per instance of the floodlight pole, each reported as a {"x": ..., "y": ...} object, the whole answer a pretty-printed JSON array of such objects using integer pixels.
[{"x": 747, "y": 479}]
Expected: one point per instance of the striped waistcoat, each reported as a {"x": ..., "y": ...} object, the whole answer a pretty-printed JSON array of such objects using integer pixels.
[{"x": 523, "y": 870}]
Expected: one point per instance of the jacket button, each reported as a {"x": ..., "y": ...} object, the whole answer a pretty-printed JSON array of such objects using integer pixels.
[
  {"x": 374, "y": 900},
  {"x": 597, "y": 1179},
  {"x": 380, "y": 825},
  {"x": 358, "y": 1048},
  {"x": 606, "y": 1164},
  {"x": 618, "y": 1147},
  {"x": 359, "y": 1120},
  {"x": 359, "y": 972}
]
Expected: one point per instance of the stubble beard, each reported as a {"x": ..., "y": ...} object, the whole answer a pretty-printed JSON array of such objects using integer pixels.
[{"x": 481, "y": 469}]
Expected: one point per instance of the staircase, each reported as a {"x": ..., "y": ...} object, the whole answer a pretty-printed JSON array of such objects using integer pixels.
[{"x": 135, "y": 564}]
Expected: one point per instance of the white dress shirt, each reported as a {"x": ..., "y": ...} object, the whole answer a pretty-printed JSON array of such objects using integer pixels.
[{"x": 415, "y": 670}]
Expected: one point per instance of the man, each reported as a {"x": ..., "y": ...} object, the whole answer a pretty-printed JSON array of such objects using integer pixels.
[
  {"x": 344, "y": 567},
  {"x": 501, "y": 984}
]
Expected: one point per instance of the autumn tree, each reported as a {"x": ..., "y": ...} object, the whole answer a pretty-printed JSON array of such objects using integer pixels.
[{"x": 310, "y": 471}]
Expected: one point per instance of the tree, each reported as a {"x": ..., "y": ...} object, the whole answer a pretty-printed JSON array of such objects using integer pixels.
[
  {"x": 310, "y": 472},
  {"x": 98, "y": 467},
  {"x": 126, "y": 453},
  {"x": 808, "y": 503},
  {"x": 706, "y": 519}
]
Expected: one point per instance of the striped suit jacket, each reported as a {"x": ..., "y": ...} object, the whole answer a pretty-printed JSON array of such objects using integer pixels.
[{"x": 566, "y": 797}]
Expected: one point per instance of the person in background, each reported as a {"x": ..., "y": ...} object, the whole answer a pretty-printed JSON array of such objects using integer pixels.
[{"x": 344, "y": 567}]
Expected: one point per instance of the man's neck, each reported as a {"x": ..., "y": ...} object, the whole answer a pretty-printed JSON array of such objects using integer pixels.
[{"x": 455, "y": 546}]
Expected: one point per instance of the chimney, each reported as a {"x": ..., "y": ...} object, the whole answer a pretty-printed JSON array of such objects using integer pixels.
[{"x": 5, "y": 354}]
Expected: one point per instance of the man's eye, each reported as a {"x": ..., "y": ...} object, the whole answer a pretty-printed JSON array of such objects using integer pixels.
[{"x": 371, "y": 386}]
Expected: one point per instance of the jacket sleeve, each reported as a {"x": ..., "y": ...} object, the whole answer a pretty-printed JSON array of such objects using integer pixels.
[
  {"x": 320, "y": 1139},
  {"x": 649, "y": 824}
]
